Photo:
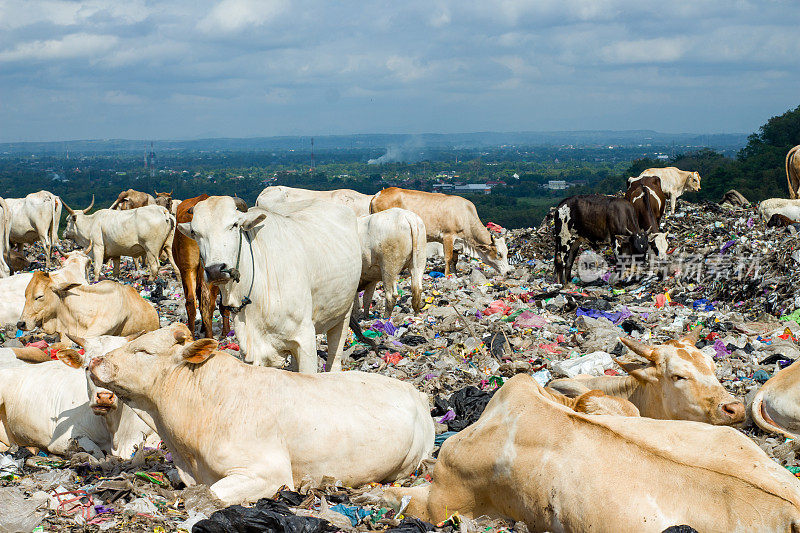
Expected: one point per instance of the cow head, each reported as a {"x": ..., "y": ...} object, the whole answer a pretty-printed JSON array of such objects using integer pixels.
[
  {"x": 634, "y": 244},
  {"x": 216, "y": 226},
  {"x": 682, "y": 378},
  {"x": 132, "y": 369},
  {"x": 164, "y": 199},
  {"x": 658, "y": 244},
  {"x": 42, "y": 299},
  {"x": 693, "y": 182},
  {"x": 71, "y": 229},
  {"x": 101, "y": 400},
  {"x": 495, "y": 254}
]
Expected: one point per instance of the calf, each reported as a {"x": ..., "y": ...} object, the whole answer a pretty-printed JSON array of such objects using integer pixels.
[
  {"x": 448, "y": 219},
  {"x": 674, "y": 182},
  {"x": 678, "y": 384},
  {"x": 649, "y": 201},
  {"x": 50, "y": 405},
  {"x": 391, "y": 241},
  {"x": 248, "y": 441},
  {"x": 105, "y": 308},
  {"x": 779, "y": 221},
  {"x": 596, "y": 219},
  {"x": 523, "y": 457}
]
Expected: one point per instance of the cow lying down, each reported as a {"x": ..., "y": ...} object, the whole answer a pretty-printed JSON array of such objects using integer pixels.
[
  {"x": 50, "y": 405},
  {"x": 678, "y": 383},
  {"x": 776, "y": 406},
  {"x": 275, "y": 427},
  {"x": 531, "y": 459}
]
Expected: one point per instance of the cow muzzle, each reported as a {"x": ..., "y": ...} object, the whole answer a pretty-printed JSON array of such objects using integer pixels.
[
  {"x": 104, "y": 402},
  {"x": 220, "y": 273},
  {"x": 732, "y": 412}
]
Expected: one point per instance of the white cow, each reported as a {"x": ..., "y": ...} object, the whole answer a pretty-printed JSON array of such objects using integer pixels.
[
  {"x": 391, "y": 241},
  {"x": 288, "y": 272},
  {"x": 5, "y": 236},
  {"x": 779, "y": 206},
  {"x": 48, "y": 405},
  {"x": 279, "y": 194},
  {"x": 12, "y": 289},
  {"x": 144, "y": 231},
  {"x": 274, "y": 427},
  {"x": 35, "y": 218},
  {"x": 674, "y": 182}
]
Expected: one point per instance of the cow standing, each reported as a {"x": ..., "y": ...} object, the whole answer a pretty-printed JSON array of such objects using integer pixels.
[
  {"x": 391, "y": 241},
  {"x": 273, "y": 428},
  {"x": 145, "y": 231},
  {"x": 674, "y": 182},
  {"x": 596, "y": 219},
  {"x": 165, "y": 199},
  {"x": 448, "y": 218},
  {"x": 35, "y": 218},
  {"x": 288, "y": 272},
  {"x": 649, "y": 202},
  {"x": 278, "y": 194},
  {"x": 793, "y": 172}
]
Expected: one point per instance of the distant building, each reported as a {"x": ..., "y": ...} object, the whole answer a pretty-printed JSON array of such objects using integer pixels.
[
  {"x": 443, "y": 187},
  {"x": 556, "y": 185},
  {"x": 662, "y": 157},
  {"x": 473, "y": 188}
]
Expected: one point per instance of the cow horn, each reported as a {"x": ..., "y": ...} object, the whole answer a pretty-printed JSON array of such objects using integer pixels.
[
  {"x": 86, "y": 211},
  {"x": 170, "y": 192},
  {"x": 694, "y": 335},
  {"x": 80, "y": 341},
  {"x": 648, "y": 352},
  {"x": 68, "y": 208},
  {"x": 155, "y": 192}
]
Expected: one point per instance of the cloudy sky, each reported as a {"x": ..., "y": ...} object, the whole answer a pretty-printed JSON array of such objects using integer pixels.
[{"x": 239, "y": 68}]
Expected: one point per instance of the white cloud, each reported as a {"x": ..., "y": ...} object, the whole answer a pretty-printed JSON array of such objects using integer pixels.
[
  {"x": 660, "y": 50},
  {"x": 75, "y": 45},
  {"x": 234, "y": 15}
]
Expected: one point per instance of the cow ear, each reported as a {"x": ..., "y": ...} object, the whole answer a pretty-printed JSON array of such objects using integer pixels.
[
  {"x": 644, "y": 375},
  {"x": 181, "y": 334},
  {"x": 198, "y": 351},
  {"x": 185, "y": 228},
  {"x": 61, "y": 288},
  {"x": 70, "y": 357},
  {"x": 646, "y": 351},
  {"x": 251, "y": 219}
]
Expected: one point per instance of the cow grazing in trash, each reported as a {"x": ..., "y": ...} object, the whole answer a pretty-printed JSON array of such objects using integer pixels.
[
  {"x": 523, "y": 457},
  {"x": 780, "y": 206},
  {"x": 246, "y": 443},
  {"x": 595, "y": 219},
  {"x": 279, "y": 194},
  {"x": 674, "y": 182},
  {"x": 105, "y": 308},
  {"x": 288, "y": 271},
  {"x": 50, "y": 405},
  {"x": 108, "y": 233},
  {"x": 678, "y": 383},
  {"x": 391, "y": 241},
  {"x": 649, "y": 201},
  {"x": 448, "y": 219},
  {"x": 35, "y": 218}
]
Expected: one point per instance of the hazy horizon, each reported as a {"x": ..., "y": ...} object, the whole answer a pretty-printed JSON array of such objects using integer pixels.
[{"x": 181, "y": 70}]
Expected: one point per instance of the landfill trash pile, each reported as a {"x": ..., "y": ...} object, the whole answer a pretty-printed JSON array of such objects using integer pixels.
[{"x": 474, "y": 332}]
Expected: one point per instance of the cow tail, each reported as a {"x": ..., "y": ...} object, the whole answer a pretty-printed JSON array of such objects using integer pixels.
[
  {"x": 792, "y": 187},
  {"x": 55, "y": 211},
  {"x": 418, "y": 260},
  {"x": 167, "y": 246}
]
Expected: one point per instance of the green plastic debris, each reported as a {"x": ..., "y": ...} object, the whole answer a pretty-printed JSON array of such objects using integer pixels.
[
  {"x": 794, "y": 315},
  {"x": 371, "y": 333}
]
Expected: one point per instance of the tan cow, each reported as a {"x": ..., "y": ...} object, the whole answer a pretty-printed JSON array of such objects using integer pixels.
[
  {"x": 446, "y": 219},
  {"x": 165, "y": 199},
  {"x": 279, "y": 194},
  {"x": 132, "y": 199},
  {"x": 793, "y": 172},
  {"x": 776, "y": 406},
  {"x": 674, "y": 182},
  {"x": 532, "y": 460},
  {"x": 391, "y": 241},
  {"x": 105, "y": 308},
  {"x": 594, "y": 402},
  {"x": 678, "y": 384}
]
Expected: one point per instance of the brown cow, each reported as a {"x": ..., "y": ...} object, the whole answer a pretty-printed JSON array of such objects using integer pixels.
[
  {"x": 649, "y": 202},
  {"x": 793, "y": 172},
  {"x": 131, "y": 199},
  {"x": 165, "y": 199},
  {"x": 780, "y": 221},
  {"x": 195, "y": 286},
  {"x": 446, "y": 219}
]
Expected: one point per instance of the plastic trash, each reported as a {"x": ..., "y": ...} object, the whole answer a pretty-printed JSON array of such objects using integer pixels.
[
  {"x": 595, "y": 363},
  {"x": 265, "y": 515},
  {"x": 17, "y": 513}
]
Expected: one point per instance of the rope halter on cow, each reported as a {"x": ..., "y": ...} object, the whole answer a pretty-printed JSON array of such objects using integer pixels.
[{"x": 236, "y": 276}]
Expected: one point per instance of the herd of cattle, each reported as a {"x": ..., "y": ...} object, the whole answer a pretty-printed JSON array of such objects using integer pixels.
[{"x": 291, "y": 267}]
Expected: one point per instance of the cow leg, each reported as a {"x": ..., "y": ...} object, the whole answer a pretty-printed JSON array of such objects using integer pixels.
[
  {"x": 171, "y": 259},
  {"x": 672, "y": 201},
  {"x": 241, "y": 488},
  {"x": 208, "y": 302},
  {"x": 336, "y": 337},
  {"x": 369, "y": 290},
  {"x": 226, "y": 322},
  {"x": 571, "y": 255},
  {"x": 304, "y": 355},
  {"x": 448, "y": 242},
  {"x": 190, "y": 284},
  {"x": 48, "y": 251},
  {"x": 97, "y": 253},
  {"x": 152, "y": 263},
  {"x": 389, "y": 291},
  {"x": 117, "y": 261}
]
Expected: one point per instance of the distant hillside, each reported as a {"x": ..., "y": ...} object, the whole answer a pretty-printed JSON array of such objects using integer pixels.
[{"x": 425, "y": 140}]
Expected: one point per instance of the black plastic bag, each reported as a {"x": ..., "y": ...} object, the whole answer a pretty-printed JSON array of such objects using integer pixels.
[{"x": 265, "y": 515}]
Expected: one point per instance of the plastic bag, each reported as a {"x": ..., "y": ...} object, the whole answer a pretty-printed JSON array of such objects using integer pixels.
[
  {"x": 265, "y": 515},
  {"x": 19, "y": 515}
]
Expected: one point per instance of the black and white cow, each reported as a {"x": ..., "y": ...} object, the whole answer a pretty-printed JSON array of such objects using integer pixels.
[
  {"x": 595, "y": 219},
  {"x": 649, "y": 202}
]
